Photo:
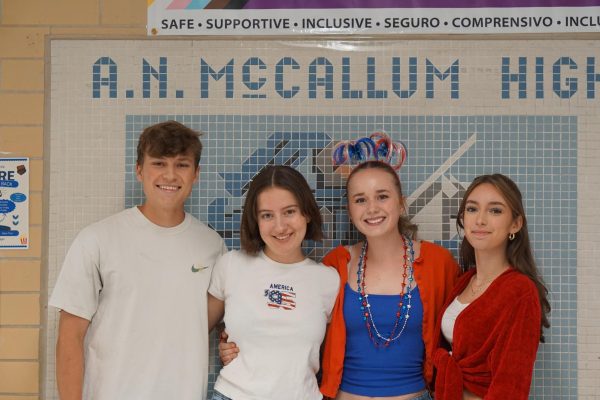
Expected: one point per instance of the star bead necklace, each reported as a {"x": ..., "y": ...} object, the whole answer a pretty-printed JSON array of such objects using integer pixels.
[{"x": 404, "y": 305}]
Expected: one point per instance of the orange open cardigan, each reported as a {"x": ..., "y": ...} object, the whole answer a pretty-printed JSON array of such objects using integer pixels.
[{"x": 435, "y": 272}]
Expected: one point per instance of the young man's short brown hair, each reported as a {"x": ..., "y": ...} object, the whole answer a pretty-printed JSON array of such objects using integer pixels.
[
  {"x": 283, "y": 177},
  {"x": 169, "y": 139}
]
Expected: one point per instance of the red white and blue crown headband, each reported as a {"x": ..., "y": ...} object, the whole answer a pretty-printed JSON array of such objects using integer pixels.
[{"x": 377, "y": 147}]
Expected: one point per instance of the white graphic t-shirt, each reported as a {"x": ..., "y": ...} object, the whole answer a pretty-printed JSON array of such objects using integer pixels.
[{"x": 277, "y": 314}]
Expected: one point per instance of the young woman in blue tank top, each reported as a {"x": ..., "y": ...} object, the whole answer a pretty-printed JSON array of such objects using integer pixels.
[{"x": 382, "y": 308}]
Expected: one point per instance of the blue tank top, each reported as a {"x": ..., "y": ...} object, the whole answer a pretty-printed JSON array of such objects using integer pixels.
[{"x": 383, "y": 371}]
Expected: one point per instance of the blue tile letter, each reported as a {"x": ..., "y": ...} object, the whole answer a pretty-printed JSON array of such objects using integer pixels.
[{"x": 110, "y": 80}]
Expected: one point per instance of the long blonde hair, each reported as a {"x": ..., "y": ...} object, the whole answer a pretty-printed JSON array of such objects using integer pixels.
[{"x": 405, "y": 226}]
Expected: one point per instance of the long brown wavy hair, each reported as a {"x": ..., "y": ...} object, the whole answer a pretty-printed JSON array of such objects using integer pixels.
[{"x": 518, "y": 250}]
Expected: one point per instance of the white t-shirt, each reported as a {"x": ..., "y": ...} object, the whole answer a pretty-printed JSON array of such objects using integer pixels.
[
  {"x": 143, "y": 287},
  {"x": 277, "y": 315}
]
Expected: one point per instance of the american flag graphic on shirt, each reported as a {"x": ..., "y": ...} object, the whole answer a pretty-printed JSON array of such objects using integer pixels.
[{"x": 281, "y": 296}]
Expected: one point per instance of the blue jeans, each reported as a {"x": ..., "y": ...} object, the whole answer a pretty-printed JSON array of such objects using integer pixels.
[
  {"x": 424, "y": 396},
  {"x": 219, "y": 396}
]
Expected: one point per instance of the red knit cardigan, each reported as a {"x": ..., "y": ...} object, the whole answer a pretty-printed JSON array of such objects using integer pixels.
[{"x": 495, "y": 341}]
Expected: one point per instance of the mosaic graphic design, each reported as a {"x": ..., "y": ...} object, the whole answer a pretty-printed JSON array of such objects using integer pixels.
[{"x": 444, "y": 154}]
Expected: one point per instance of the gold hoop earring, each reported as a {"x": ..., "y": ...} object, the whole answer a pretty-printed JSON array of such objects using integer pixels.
[{"x": 511, "y": 236}]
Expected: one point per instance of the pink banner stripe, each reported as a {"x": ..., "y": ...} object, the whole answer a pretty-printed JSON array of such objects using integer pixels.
[{"x": 178, "y": 4}]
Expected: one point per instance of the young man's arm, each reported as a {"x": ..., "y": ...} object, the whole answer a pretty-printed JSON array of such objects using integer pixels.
[
  {"x": 69, "y": 355},
  {"x": 216, "y": 309}
]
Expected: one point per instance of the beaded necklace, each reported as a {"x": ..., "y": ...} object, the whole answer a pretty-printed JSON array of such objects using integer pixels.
[{"x": 405, "y": 296}]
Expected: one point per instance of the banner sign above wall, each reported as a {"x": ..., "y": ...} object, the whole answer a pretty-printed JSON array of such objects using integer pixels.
[{"x": 268, "y": 17}]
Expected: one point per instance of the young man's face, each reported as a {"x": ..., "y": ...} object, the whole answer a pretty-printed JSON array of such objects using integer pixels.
[{"x": 167, "y": 181}]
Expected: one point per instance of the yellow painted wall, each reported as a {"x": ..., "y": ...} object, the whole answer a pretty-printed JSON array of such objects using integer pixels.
[{"x": 24, "y": 28}]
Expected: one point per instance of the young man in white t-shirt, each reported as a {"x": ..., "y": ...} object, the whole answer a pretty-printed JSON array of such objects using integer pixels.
[{"x": 132, "y": 289}]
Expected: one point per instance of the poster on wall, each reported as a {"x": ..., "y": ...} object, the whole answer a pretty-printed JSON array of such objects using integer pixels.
[
  {"x": 14, "y": 203},
  {"x": 293, "y": 17}
]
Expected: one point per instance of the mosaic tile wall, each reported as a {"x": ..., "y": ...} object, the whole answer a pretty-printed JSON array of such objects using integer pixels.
[
  {"x": 461, "y": 108},
  {"x": 445, "y": 154}
]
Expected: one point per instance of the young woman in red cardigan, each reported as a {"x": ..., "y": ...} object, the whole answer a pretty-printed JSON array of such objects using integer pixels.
[{"x": 492, "y": 323}]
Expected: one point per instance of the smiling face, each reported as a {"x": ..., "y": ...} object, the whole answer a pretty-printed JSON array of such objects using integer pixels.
[
  {"x": 167, "y": 183},
  {"x": 488, "y": 220},
  {"x": 374, "y": 203},
  {"x": 281, "y": 224}
]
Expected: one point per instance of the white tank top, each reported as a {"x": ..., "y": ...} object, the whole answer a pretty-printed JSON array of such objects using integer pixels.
[{"x": 449, "y": 318}]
